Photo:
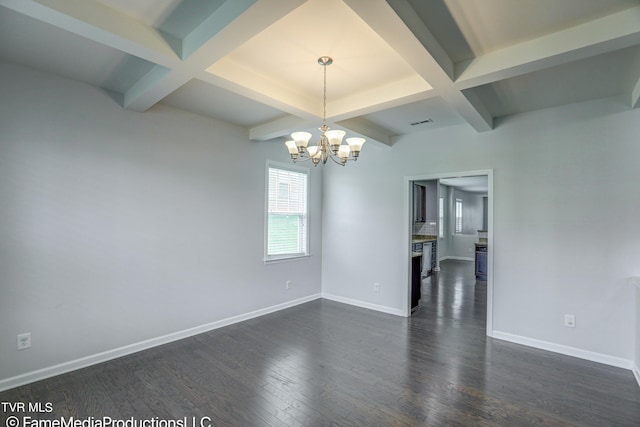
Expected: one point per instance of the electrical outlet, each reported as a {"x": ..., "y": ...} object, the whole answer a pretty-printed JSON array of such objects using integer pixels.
[
  {"x": 288, "y": 284},
  {"x": 376, "y": 287},
  {"x": 570, "y": 320},
  {"x": 24, "y": 341}
]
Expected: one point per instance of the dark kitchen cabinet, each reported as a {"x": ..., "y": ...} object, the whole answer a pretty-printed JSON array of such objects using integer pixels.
[
  {"x": 416, "y": 282},
  {"x": 481, "y": 261},
  {"x": 419, "y": 203}
]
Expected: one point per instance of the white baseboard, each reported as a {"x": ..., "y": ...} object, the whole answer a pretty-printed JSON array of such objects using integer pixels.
[
  {"x": 362, "y": 304},
  {"x": 566, "y": 350},
  {"x": 457, "y": 258},
  {"x": 636, "y": 373},
  {"x": 105, "y": 356}
]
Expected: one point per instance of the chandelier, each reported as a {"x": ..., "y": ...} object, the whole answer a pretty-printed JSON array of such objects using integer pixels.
[{"x": 330, "y": 145}]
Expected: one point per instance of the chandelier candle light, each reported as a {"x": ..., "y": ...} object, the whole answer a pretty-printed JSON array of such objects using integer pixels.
[{"x": 330, "y": 144}]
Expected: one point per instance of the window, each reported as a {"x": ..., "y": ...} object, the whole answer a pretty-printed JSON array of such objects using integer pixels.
[
  {"x": 441, "y": 217},
  {"x": 458, "y": 228},
  {"x": 287, "y": 218},
  {"x": 458, "y": 216}
]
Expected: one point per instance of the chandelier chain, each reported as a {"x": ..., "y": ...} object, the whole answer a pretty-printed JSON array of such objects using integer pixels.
[{"x": 324, "y": 99}]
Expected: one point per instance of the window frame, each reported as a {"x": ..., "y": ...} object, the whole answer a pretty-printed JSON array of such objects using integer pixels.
[{"x": 306, "y": 251}]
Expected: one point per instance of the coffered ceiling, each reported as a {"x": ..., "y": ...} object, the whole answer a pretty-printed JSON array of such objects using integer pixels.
[{"x": 400, "y": 66}]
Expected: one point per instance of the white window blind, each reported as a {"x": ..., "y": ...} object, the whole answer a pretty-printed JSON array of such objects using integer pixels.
[
  {"x": 458, "y": 216},
  {"x": 287, "y": 218}
]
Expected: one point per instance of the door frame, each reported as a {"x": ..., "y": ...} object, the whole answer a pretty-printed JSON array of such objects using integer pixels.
[{"x": 408, "y": 226}]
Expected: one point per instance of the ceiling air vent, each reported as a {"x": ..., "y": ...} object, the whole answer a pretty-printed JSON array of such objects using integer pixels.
[{"x": 421, "y": 122}]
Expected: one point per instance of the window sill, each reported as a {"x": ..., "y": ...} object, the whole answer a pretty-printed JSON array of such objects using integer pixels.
[{"x": 287, "y": 259}]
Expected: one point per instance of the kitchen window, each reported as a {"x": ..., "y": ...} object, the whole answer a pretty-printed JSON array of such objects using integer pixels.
[
  {"x": 458, "y": 229},
  {"x": 286, "y": 222}
]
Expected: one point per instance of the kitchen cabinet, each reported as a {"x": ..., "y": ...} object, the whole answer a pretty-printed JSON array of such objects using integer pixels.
[
  {"x": 481, "y": 261},
  {"x": 419, "y": 203},
  {"x": 416, "y": 282}
]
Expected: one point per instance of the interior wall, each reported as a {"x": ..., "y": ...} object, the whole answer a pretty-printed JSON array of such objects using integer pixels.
[
  {"x": 118, "y": 227},
  {"x": 560, "y": 177}
]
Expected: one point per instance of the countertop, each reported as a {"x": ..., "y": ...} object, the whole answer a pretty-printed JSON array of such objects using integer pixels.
[{"x": 422, "y": 239}]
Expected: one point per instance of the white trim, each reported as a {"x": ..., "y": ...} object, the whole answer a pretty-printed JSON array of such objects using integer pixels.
[
  {"x": 635, "y": 280},
  {"x": 286, "y": 259},
  {"x": 363, "y": 304},
  {"x": 292, "y": 168},
  {"x": 457, "y": 258},
  {"x": 105, "y": 356},
  {"x": 566, "y": 350},
  {"x": 408, "y": 226}
]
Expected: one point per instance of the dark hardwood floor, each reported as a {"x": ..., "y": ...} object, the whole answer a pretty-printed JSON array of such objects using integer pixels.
[{"x": 325, "y": 363}]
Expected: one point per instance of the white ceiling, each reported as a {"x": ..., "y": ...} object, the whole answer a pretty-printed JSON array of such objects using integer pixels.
[{"x": 396, "y": 62}]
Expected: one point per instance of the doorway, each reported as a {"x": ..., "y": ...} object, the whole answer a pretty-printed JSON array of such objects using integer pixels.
[{"x": 456, "y": 235}]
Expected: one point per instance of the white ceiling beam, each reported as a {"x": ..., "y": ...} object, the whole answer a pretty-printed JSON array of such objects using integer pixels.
[
  {"x": 274, "y": 96},
  {"x": 278, "y": 128},
  {"x": 213, "y": 24},
  {"x": 156, "y": 84},
  {"x": 367, "y": 129},
  {"x": 385, "y": 21},
  {"x": 407, "y": 13},
  {"x": 94, "y": 21},
  {"x": 379, "y": 15},
  {"x": 228, "y": 27},
  {"x": 284, "y": 126},
  {"x": 472, "y": 109},
  {"x": 635, "y": 94},
  {"x": 612, "y": 32},
  {"x": 260, "y": 88},
  {"x": 389, "y": 95}
]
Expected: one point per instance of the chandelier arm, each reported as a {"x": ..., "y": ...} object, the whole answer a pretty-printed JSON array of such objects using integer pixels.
[
  {"x": 339, "y": 161},
  {"x": 302, "y": 158}
]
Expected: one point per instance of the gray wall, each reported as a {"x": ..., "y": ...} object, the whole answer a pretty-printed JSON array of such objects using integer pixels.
[
  {"x": 118, "y": 227},
  {"x": 559, "y": 174}
]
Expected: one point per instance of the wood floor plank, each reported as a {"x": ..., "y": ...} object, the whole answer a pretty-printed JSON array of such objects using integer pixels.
[{"x": 326, "y": 363}]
